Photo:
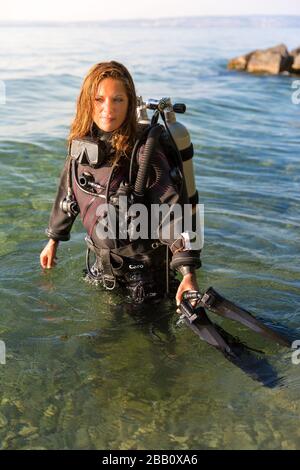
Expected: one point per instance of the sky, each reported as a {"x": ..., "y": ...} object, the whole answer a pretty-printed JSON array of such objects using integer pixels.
[{"x": 85, "y": 10}]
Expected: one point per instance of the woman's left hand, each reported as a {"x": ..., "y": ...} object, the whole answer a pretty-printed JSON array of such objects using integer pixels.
[{"x": 189, "y": 282}]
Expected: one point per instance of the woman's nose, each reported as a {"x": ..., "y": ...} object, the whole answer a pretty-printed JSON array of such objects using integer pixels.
[{"x": 108, "y": 105}]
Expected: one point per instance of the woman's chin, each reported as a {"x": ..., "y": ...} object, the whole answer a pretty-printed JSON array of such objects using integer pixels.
[
  {"x": 107, "y": 126},
  {"x": 110, "y": 129}
]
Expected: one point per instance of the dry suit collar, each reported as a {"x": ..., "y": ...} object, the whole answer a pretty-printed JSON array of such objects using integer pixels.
[{"x": 100, "y": 134}]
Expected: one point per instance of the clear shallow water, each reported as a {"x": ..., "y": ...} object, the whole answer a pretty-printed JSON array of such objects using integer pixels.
[{"x": 82, "y": 369}]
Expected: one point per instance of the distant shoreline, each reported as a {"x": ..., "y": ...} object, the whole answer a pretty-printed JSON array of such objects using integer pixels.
[{"x": 245, "y": 21}]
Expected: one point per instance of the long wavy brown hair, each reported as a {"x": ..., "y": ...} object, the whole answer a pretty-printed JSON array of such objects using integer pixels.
[{"x": 124, "y": 137}]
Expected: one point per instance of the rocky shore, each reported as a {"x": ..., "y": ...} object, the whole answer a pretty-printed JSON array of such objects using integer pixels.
[{"x": 272, "y": 61}]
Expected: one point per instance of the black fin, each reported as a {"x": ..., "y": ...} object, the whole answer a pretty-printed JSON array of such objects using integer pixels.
[
  {"x": 227, "y": 309},
  {"x": 205, "y": 329}
]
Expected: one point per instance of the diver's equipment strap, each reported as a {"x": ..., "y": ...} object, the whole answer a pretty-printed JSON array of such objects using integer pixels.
[
  {"x": 194, "y": 199},
  {"x": 167, "y": 272},
  {"x": 109, "y": 280},
  {"x": 186, "y": 242},
  {"x": 107, "y": 275},
  {"x": 187, "y": 153}
]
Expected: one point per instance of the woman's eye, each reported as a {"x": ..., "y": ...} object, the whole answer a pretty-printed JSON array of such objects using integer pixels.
[{"x": 116, "y": 100}]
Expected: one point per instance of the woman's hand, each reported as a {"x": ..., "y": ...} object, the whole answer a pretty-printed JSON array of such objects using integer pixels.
[
  {"x": 48, "y": 255},
  {"x": 189, "y": 282}
]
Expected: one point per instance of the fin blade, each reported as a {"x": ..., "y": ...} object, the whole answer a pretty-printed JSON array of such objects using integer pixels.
[
  {"x": 206, "y": 330},
  {"x": 228, "y": 309}
]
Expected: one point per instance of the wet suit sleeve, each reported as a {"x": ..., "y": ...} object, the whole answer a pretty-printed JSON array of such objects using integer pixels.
[
  {"x": 162, "y": 190},
  {"x": 60, "y": 223}
]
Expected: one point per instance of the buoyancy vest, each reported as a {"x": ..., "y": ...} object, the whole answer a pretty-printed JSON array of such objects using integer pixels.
[
  {"x": 125, "y": 261},
  {"x": 140, "y": 265}
]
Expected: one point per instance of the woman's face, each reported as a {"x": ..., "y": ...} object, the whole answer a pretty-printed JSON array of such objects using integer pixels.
[{"x": 110, "y": 105}]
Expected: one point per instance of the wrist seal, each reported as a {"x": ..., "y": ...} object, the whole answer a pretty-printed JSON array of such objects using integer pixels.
[{"x": 186, "y": 270}]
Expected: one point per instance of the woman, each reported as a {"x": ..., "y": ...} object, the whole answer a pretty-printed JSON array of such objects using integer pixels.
[{"x": 106, "y": 115}]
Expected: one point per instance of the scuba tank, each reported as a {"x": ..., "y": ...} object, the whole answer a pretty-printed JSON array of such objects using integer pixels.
[{"x": 177, "y": 134}]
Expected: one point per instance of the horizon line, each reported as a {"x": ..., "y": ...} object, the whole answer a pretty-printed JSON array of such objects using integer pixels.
[{"x": 114, "y": 20}]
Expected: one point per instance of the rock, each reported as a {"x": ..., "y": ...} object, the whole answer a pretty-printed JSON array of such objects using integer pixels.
[
  {"x": 96, "y": 437},
  {"x": 273, "y": 60},
  {"x": 181, "y": 440},
  {"x": 4, "y": 401},
  {"x": 130, "y": 444},
  {"x": 239, "y": 63},
  {"x": 3, "y": 421},
  {"x": 9, "y": 437},
  {"x": 295, "y": 52},
  {"x": 288, "y": 445},
  {"x": 19, "y": 405},
  {"x": 296, "y": 64},
  {"x": 27, "y": 431},
  {"x": 50, "y": 411},
  {"x": 33, "y": 448},
  {"x": 82, "y": 439}
]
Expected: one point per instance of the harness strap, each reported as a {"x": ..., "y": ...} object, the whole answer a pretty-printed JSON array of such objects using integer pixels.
[
  {"x": 103, "y": 256},
  {"x": 109, "y": 280}
]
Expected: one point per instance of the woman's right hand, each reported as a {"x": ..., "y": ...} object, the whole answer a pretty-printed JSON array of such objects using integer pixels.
[{"x": 48, "y": 255}]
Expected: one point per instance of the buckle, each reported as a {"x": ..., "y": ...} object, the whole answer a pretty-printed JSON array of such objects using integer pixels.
[
  {"x": 109, "y": 282},
  {"x": 207, "y": 300}
]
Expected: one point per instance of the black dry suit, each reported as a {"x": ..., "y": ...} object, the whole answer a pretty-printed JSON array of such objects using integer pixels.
[{"x": 139, "y": 264}]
